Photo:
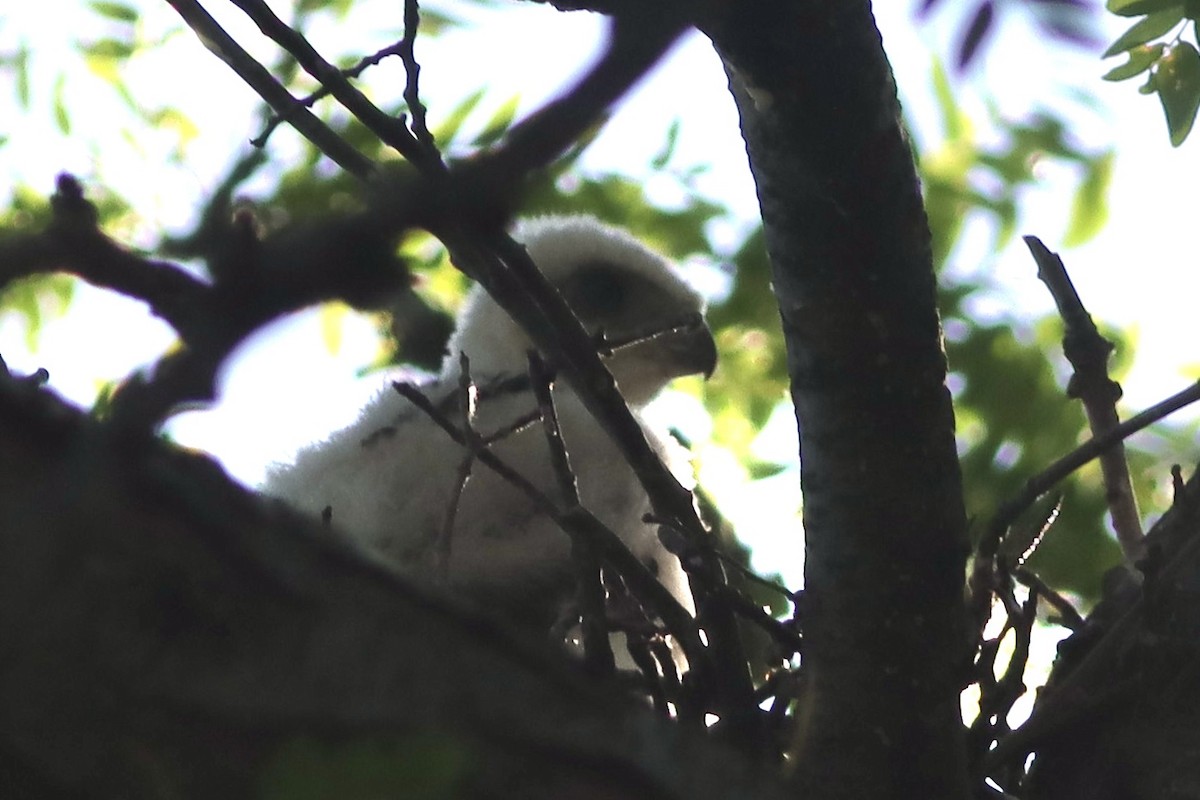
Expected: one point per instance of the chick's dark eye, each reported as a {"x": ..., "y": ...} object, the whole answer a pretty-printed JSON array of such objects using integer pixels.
[{"x": 597, "y": 292}]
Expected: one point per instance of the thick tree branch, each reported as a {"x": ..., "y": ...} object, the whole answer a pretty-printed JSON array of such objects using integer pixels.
[
  {"x": 1117, "y": 717},
  {"x": 885, "y": 634},
  {"x": 168, "y": 628},
  {"x": 73, "y": 244},
  {"x": 350, "y": 258}
]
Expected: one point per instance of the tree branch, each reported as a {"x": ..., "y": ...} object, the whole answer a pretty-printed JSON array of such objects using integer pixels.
[
  {"x": 1131, "y": 665},
  {"x": 1047, "y": 479},
  {"x": 577, "y": 521},
  {"x": 390, "y": 131},
  {"x": 589, "y": 586},
  {"x": 884, "y": 523},
  {"x": 72, "y": 243},
  {"x": 1088, "y": 353},
  {"x": 150, "y": 608},
  {"x": 412, "y": 70}
]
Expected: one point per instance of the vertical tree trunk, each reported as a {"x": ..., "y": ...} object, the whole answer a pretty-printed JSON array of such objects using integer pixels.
[{"x": 886, "y": 643}]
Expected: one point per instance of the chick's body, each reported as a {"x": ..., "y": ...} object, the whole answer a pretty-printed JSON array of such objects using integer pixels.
[{"x": 391, "y": 480}]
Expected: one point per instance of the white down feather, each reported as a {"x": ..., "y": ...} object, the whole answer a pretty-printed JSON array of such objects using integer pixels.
[{"x": 389, "y": 479}]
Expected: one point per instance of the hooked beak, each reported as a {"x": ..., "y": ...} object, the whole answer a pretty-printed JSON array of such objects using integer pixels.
[
  {"x": 692, "y": 349},
  {"x": 645, "y": 363}
]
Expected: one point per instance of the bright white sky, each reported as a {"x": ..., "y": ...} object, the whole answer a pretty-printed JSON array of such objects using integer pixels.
[{"x": 286, "y": 388}]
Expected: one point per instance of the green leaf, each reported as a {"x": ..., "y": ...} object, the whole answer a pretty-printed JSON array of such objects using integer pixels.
[
  {"x": 117, "y": 11},
  {"x": 1135, "y": 8},
  {"x": 759, "y": 469},
  {"x": 499, "y": 123},
  {"x": 663, "y": 156},
  {"x": 1140, "y": 59},
  {"x": 449, "y": 127},
  {"x": 955, "y": 123},
  {"x": 1178, "y": 82},
  {"x": 174, "y": 120},
  {"x": 435, "y": 22},
  {"x": 61, "y": 117},
  {"x": 108, "y": 48},
  {"x": 102, "y": 405},
  {"x": 21, "y": 63},
  {"x": 36, "y": 298},
  {"x": 1150, "y": 27},
  {"x": 1089, "y": 209}
]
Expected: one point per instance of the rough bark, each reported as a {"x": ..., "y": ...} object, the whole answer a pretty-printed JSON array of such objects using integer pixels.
[
  {"x": 1118, "y": 718},
  {"x": 884, "y": 525},
  {"x": 168, "y": 634}
]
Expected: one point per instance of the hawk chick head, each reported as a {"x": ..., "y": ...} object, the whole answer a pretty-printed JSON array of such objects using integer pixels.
[{"x": 614, "y": 284}]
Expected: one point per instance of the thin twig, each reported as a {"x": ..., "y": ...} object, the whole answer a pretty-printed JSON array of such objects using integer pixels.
[
  {"x": 1011, "y": 686},
  {"x": 783, "y": 634},
  {"x": 589, "y": 589},
  {"x": 259, "y": 78},
  {"x": 521, "y": 423},
  {"x": 466, "y": 396},
  {"x": 997, "y": 696},
  {"x": 1100, "y": 677},
  {"x": 607, "y": 346},
  {"x": 1071, "y": 618},
  {"x": 560, "y": 461},
  {"x": 580, "y": 521},
  {"x": 643, "y": 659},
  {"x": 390, "y": 130},
  {"x": 1046, "y": 480},
  {"x": 309, "y": 100},
  {"x": 1088, "y": 353},
  {"x": 980, "y": 734},
  {"x": 626, "y": 615},
  {"x": 412, "y": 71},
  {"x": 665, "y": 656},
  {"x": 555, "y": 329},
  {"x": 730, "y": 561}
]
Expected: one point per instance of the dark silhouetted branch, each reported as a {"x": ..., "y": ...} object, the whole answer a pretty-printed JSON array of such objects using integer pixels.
[
  {"x": 391, "y": 131},
  {"x": 259, "y": 78}
]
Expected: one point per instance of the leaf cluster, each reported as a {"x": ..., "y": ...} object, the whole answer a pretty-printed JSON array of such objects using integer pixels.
[{"x": 1155, "y": 47}]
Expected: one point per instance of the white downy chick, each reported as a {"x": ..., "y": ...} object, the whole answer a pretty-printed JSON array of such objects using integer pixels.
[{"x": 390, "y": 478}]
